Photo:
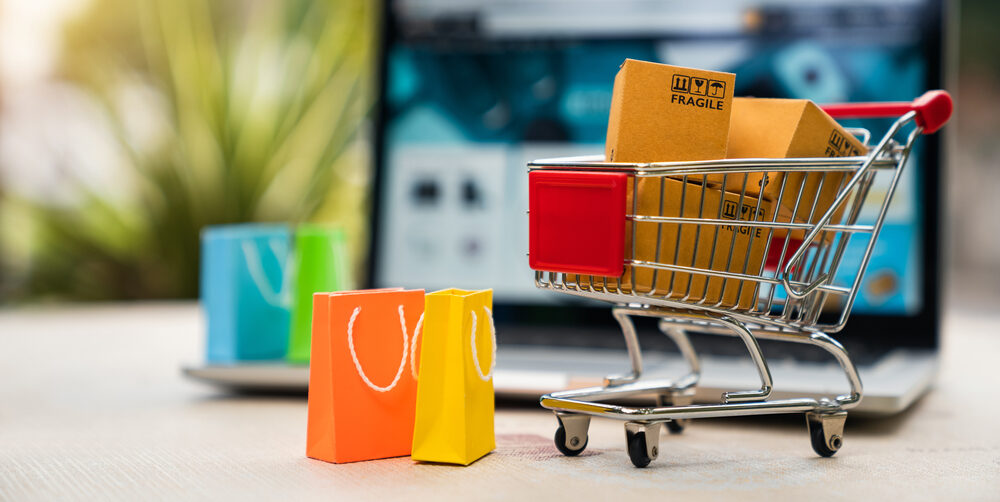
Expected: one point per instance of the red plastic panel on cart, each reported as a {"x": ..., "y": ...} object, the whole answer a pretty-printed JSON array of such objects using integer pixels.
[
  {"x": 577, "y": 222},
  {"x": 775, "y": 257}
]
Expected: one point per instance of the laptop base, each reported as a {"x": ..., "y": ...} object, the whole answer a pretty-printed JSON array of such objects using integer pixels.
[{"x": 891, "y": 384}]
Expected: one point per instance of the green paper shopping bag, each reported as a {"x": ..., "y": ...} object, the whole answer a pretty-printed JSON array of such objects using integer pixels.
[
  {"x": 319, "y": 265},
  {"x": 454, "y": 414}
]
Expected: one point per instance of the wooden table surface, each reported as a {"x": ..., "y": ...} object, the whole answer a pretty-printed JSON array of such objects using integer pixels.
[{"x": 93, "y": 407}]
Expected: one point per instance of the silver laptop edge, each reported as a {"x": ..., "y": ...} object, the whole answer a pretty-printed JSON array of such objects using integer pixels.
[{"x": 890, "y": 385}]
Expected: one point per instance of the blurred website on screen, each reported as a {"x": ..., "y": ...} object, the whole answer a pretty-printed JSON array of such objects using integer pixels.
[{"x": 476, "y": 89}]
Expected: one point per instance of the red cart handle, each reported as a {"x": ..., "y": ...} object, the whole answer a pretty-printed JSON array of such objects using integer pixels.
[{"x": 933, "y": 110}]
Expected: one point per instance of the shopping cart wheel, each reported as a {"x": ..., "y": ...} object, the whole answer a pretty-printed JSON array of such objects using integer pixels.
[
  {"x": 677, "y": 426},
  {"x": 643, "y": 440},
  {"x": 826, "y": 431},
  {"x": 571, "y": 436},
  {"x": 684, "y": 398}
]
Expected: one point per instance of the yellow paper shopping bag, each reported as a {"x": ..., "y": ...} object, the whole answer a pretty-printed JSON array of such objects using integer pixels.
[{"x": 454, "y": 416}]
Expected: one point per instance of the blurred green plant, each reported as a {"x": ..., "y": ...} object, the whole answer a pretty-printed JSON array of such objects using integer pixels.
[{"x": 226, "y": 111}]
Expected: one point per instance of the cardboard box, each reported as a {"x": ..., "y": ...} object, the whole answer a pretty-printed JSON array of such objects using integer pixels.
[
  {"x": 783, "y": 128},
  {"x": 662, "y": 113},
  {"x": 670, "y": 244}
]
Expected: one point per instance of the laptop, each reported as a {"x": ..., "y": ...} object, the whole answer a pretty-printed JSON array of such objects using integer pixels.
[{"x": 471, "y": 91}]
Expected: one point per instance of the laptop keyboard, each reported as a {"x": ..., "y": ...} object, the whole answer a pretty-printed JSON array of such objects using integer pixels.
[
  {"x": 778, "y": 351},
  {"x": 653, "y": 342}
]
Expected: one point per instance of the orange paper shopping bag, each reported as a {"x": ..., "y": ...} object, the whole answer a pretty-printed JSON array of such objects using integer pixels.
[{"x": 362, "y": 377}]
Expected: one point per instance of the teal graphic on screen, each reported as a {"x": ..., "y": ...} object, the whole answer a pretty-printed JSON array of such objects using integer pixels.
[{"x": 464, "y": 118}]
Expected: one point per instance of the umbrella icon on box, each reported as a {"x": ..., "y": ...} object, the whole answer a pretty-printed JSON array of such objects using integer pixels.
[{"x": 716, "y": 89}]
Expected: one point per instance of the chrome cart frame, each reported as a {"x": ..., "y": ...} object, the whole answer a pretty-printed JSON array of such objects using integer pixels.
[{"x": 811, "y": 277}]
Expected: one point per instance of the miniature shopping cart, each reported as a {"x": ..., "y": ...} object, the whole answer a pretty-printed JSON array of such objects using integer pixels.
[{"x": 718, "y": 262}]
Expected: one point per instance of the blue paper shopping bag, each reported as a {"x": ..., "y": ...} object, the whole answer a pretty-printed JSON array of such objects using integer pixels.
[{"x": 245, "y": 291}]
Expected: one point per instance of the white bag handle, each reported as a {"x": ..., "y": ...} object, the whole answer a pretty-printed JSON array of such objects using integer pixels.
[
  {"x": 357, "y": 363},
  {"x": 413, "y": 346},
  {"x": 475, "y": 357},
  {"x": 341, "y": 265},
  {"x": 282, "y": 297}
]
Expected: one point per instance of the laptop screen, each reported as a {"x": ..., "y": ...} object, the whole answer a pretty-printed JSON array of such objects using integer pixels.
[{"x": 473, "y": 90}]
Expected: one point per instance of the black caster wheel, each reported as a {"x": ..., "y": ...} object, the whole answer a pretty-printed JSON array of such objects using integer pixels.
[
  {"x": 637, "y": 451},
  {"x": 677, "y": 426},
  {"x": 676, "y": 399},
  {"x": 560, "y": 441},
  {"x": 820, "y": 445},
  {"x": 826, "y": 432}
]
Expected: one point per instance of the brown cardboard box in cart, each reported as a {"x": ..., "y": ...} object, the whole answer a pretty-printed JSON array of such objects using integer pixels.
[
  {"x": 724, "y": 248},
  {"x": 784, "y": 128},
  {"x": 662, "y": 113}
]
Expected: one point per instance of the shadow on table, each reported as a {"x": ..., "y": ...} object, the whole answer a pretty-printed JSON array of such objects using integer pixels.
[{"x": 857, "y": 423}]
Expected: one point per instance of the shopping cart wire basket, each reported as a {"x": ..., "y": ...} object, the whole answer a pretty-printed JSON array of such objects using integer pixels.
[{"x": 664, "y": 240}]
